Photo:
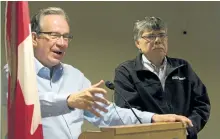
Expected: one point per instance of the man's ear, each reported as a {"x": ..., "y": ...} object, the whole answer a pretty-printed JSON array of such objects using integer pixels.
[
  {"x": 34, "y": 39},
  {"x": 137, "y": 44}
]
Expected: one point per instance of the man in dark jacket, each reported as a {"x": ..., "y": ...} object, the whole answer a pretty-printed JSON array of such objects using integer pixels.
[{"x": 157, "y": 83}]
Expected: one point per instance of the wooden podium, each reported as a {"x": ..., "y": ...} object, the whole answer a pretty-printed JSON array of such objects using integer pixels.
[{"x": 171, "y": 130}]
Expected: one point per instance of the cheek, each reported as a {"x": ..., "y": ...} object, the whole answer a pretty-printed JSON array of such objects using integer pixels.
[
  {"x": 166, "y": 46},
  {"x": 150, "y": 46},
  {"x": 146, "y": 48},
  {"x": 45, "y": 47},
  {"x": 42, "y": 50}
]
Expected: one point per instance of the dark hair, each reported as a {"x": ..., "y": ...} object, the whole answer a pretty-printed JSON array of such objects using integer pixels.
[{"x": 148, "y": 23}]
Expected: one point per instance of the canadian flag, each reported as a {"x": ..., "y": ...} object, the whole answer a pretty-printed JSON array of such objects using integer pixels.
[{"x": 24, "y": 116}]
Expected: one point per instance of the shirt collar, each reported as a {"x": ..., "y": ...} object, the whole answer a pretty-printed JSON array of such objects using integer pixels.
[
  {"x": 44, "y": 72},
  {"x": 38, "y": 65},
  {"x": 148, "y": 62}
]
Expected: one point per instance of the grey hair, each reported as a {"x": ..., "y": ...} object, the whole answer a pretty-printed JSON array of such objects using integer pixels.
[
  {"x": 35, "y": 21},
  {"x": 148, "y": 24}
]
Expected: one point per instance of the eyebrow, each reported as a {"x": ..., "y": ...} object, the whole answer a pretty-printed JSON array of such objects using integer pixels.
[{"x": 58, "y": 32}]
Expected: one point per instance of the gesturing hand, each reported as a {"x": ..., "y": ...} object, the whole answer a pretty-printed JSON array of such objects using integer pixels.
[{"x": 87, "y": 99}]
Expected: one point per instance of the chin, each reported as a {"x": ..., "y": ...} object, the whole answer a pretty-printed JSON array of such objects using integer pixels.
[{"x": 55, "y": 62}]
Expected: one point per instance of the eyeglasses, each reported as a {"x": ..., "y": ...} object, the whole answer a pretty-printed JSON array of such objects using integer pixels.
[
  {"x": 153, "y": 37},
  {"x": 56, "y": 36}
]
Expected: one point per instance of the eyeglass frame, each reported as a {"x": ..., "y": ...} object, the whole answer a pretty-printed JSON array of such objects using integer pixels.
[
  {"x": 160, "y": 35},
  {"x": 57, "y": 35}
]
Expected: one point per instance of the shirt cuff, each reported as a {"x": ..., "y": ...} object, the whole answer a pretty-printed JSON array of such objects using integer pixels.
[
  {"x": 62, "y": 103},
  {"x": 146, "y": 117}
]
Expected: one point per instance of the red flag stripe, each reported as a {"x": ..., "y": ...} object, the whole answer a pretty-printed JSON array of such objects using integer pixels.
[
  {"x": 15, "y": 10},
  {"x": 23, "y": 22},
  {"x": 23, "y": 112}
]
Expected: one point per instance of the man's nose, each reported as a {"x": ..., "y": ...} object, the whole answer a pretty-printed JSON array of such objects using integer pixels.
[
  {"x": 157, "y": 40},
  {"x": 62, "y": 42}
]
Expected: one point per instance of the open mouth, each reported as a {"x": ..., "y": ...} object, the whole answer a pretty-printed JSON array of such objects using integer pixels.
[{"x": 58, "y": 52}]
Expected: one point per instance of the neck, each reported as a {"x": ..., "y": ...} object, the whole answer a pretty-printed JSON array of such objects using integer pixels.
[{"x": 157, "y": 61}]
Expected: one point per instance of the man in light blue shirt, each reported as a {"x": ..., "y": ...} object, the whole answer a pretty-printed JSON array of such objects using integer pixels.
[{"x": 66, "y": 95}]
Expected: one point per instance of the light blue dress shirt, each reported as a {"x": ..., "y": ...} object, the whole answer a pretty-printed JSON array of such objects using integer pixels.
[{"x": 61, "y": 122}]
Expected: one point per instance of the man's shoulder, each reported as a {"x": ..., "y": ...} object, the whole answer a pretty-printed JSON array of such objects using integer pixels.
[
  {"x": 127, "y": 64},
  {"x": 74, "y": 74},
  {"x": 70, "y": 68},
  {"x": 177, "y": 61}
]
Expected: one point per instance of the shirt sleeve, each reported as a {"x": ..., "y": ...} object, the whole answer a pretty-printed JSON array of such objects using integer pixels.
[
  {"x": 115, "y": 115},
  {"x": 118, "y": 116},
  {"x": 51, "y": 104}
]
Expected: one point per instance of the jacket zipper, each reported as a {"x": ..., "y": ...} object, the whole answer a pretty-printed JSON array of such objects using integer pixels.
[{"x": 169, "y": 105}]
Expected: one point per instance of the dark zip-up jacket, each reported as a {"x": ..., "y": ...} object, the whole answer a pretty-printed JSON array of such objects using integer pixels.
[{"x": 183, "y": 94}]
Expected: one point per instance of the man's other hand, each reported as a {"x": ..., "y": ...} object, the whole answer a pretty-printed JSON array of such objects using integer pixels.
[{"x": 172, "y": 118}]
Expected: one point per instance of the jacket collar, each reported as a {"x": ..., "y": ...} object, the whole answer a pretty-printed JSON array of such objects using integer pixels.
[
  {"x": 171, "y": 64},
  {"x": 138, "y": 66}
]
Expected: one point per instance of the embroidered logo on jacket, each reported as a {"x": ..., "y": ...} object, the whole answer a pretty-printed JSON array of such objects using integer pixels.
[{"x": 178, "y": 78}]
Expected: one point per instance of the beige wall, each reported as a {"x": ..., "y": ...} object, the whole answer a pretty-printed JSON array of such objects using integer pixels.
[{"x": 103, "y": 39}]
